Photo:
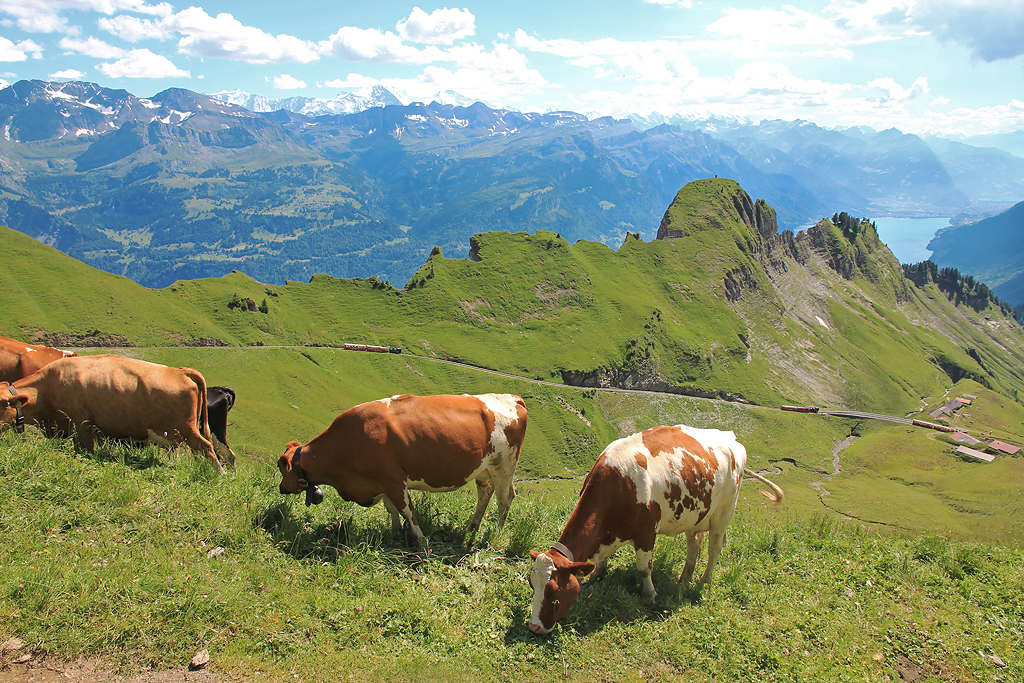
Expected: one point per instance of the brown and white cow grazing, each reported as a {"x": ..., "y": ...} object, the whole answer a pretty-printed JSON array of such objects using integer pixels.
[
  {"x": 111, "y": 396},
  {"x": 383, "y": 449},
  {"x": 18, "y": 359},
  {"x": 665, "y": 480}
]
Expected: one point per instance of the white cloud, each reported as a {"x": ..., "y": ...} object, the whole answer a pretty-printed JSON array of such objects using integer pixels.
[
  {"x": 92, "y": 47},
  {"x": 353, "y": 80},
  {"x": 685, "y": 4},
  {"x": 224, "y": 37},
  {"x": 897, "y": 92},
  {"x": 757, "y": 90},
  {"x": 353, "y": 44},
  {"x": 46, "y": 16},
  {"x": 489, "y": 76},
  {"x": 286, "y": 82},
  {"x": 939, "y": 101},
  {"x": 134, "y": 29},
  {"x": 870, "y": 16},
  {"x": 18, "y": 52},
  {"x": 788, "y": 26},
  {"x": 657, "y": 60},
  {"x": 991, "y": 29},
  {"x": 1003, "y": 118},
  {"x": 142, "y": 64},
  {"x": 66, "y": 75},
  {"x": 440, "y": 26}
]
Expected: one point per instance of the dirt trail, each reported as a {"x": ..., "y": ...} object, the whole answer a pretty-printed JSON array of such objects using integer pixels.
[{"x": 96, "y": 671}]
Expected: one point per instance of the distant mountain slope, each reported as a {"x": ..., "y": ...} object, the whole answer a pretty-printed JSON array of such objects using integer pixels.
[
  {"x": 721, "y": 305},
  {"x": 992, "y": 250},
  {"x": 53, "y": 297},
  {"x": 182, "y": 185}
]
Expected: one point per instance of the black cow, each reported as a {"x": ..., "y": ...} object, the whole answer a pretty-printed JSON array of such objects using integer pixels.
[{"x": 218, "y": 402}]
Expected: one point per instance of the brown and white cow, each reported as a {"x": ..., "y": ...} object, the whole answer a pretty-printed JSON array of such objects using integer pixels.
[
  {"x": 382, "y": 449},
  {"x": 111, "y": 396},
  {"x": 19, "y": 360},
  {"x": 665, "y": 480}
]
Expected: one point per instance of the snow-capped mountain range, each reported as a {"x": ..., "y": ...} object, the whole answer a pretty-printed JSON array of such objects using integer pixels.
[{"x": 342, "y": 103}]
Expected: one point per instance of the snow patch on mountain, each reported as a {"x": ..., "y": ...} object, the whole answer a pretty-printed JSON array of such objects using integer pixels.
[{"x": 342, "y": 103}]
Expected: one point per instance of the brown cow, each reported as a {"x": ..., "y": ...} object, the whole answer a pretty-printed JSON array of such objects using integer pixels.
[
  {"x": 382, "y": 449},
  {"x": 665, "y": 480},
  {"x": 18, "y": 359},
  {"x": 111, "y": 396}
]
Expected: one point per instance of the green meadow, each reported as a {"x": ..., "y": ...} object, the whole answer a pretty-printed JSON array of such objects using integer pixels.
[
  {"x": 891, "y": 557},
  {"x": 914, "y": 555},
  {"x": 139, "y": 558}
]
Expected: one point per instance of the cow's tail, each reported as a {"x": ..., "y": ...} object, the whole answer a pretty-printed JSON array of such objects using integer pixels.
[
  {"x": 202, "y": 417},
  {"x": 776, "y": 497}
]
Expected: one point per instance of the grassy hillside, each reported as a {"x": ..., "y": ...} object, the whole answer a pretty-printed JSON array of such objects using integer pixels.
[
  {"x": 726, "y": 310},
  {"x": 48, "y": 292},
  {"x": 141, "y": 558},
  {"x": 913, "y": 553},
  {"x": 286, "y": 394}
]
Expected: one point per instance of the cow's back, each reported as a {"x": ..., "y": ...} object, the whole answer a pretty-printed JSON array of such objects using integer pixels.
[
  {"x": 19, "y": 360},
  {"x": 10, "y": 366},
  {"x": 685, "y": 474},
  {"x": 438, "y": 440},
  {"x": 122, "y": 397}
]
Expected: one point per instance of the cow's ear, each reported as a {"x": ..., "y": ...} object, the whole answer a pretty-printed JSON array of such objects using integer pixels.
[
  {"x": 283, "y": 462},
  {"x": 21, "y": 398},
  {"x": 581, "y": 569},
  {"x": 534, "y": 554}
]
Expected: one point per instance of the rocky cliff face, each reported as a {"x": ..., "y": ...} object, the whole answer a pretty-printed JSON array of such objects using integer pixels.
[
  {"x": 811, "y": 305},
  {"x": 846, "y": 246}
]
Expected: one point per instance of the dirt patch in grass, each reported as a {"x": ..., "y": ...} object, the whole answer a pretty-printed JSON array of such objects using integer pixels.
[
  {"x": 97, "y": 671},
  {"x": 912, "y": 672}
]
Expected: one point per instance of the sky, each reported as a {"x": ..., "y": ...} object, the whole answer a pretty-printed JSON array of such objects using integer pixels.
[{"x": 944, "y": 67}]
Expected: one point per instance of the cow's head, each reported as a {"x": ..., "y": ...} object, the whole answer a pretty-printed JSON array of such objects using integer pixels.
[
  {"x": 556, "y": 585},
  {"x": 290, "y": 475},
  {"x": 293, "y": 479},
  {"x": 11, "y": 402}
]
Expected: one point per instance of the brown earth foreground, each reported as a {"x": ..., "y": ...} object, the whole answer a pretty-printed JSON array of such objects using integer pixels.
[{"x": 97, "y": 671}]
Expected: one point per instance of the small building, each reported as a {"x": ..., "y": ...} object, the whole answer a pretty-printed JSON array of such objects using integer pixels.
[
  {"x": 948, "y": 409},
  {"x": 965, "y": 438},
  {"x": 964, "y": 450},
  {"x": 1007, "y": 448}
]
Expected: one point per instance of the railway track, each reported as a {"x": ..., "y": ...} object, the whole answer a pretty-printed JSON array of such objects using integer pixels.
[{"x": 853, "y": 414}]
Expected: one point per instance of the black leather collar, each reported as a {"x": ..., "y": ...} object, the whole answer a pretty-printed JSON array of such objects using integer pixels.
[
  {"x": 19, "y": 420},
  {"x": 314, "y": 496},
  {"x": 303, "y": 482}
]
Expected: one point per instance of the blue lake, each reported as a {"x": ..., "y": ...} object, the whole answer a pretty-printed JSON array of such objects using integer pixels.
[{"x": 907, "y": 238}]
